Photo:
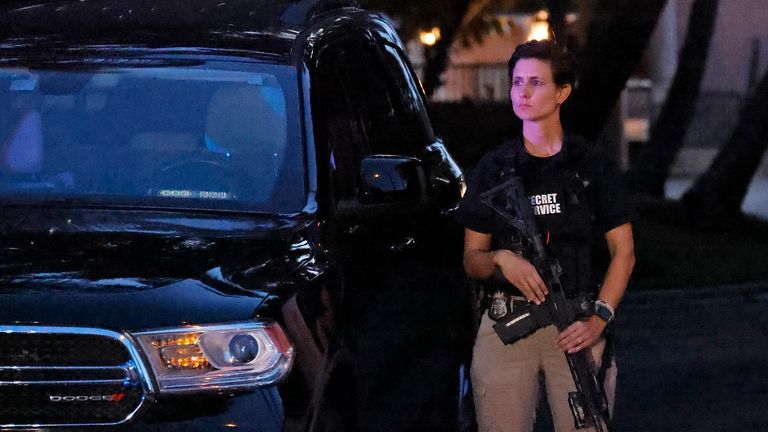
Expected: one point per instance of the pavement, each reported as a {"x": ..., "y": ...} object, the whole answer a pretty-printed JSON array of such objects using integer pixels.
[
  {"x": 694, "y": 360},
  {"x": 689, "y": 360}
]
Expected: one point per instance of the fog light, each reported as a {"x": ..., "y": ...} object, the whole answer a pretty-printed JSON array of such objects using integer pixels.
[{"x": 243, "y": 348}]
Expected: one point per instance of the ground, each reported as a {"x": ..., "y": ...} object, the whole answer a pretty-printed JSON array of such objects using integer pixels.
[{"x": 694, "y": 360}]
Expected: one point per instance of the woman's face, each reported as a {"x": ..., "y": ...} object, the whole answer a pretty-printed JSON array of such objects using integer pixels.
[{"x": 534, "y": 94}]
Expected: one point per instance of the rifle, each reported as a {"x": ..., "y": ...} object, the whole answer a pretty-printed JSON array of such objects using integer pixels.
[{"x": 588, "y": 403}]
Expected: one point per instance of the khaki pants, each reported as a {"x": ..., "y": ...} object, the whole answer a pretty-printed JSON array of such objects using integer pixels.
[{"x": 505, "y": 380}]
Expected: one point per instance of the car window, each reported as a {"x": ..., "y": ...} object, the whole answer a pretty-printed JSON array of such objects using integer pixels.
[
  {"x": 388, "y": 100},
  {"x": 338, "y": 123},
  {"x": 215, "y": 134},
  {"x": 411, "y": 96},
  {"x": 370, "y": 103}
]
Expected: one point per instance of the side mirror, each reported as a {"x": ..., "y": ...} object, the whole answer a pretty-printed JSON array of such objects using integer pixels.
[{"x": 391, "y": 179}]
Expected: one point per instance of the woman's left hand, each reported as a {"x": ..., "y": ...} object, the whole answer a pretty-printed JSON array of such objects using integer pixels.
[{"x": 581, "y": 334}]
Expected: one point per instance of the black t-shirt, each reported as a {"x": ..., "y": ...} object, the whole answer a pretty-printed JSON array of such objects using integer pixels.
[{"x": 576, "y": 198}]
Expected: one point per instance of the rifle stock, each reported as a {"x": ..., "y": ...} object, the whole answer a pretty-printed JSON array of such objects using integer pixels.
[{"x": 588, "y": 403}]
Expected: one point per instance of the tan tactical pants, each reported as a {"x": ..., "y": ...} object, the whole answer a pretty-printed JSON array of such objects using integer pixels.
[{"x": 505, "y": 380}]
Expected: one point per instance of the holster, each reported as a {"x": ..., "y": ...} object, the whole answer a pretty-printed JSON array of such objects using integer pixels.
[{"x": 525, "y": 318}]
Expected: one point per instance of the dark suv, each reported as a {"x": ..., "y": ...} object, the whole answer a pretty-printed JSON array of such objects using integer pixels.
[{"x": 201, "y": 196}]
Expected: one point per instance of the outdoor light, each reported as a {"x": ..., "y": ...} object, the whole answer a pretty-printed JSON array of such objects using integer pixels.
[
  {"x": 430, "y": 37},
  {"x": 539, "y": 29}
]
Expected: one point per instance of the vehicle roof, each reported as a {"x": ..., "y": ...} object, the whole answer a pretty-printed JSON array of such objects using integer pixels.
[{"x": 267, "y": 26}]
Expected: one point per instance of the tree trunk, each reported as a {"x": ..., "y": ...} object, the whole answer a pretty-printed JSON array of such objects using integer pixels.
[
  {"x": 557, "y": 25},
  {"x": 436, "y": 56},
  {"x": 618, "y": 34},
  {"x": 668, "y": 131},
  {"x": 718, "y": 193}
]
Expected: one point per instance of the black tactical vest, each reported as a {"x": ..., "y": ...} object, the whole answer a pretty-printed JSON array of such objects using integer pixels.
[{"x": 562, "y": 196}]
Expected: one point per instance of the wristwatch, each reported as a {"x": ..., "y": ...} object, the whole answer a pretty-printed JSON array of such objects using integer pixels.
[{"x": 604, "y": 311}]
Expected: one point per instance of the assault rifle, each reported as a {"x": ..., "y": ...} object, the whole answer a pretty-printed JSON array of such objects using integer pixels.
[{"x": 588, "y": 403}]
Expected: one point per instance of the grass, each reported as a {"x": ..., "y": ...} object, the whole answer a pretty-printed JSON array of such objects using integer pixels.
[{"x": 671, "y": 253}]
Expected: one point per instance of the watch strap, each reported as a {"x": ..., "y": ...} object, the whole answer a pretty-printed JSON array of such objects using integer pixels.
[{"x": 604, "y": 311}]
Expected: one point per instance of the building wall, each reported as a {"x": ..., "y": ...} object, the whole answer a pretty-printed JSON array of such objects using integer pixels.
[
  {"x": 739, "y": 22},
  {"x": 477, "y": 71},
  {"x": 726, "y": 80}
]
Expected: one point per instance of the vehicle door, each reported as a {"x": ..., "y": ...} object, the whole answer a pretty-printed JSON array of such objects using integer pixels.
[{"x": 379, "y": 163}]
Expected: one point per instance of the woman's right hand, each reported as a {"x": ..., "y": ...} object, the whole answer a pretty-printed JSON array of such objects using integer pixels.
[{"x": 521, "y": 273}]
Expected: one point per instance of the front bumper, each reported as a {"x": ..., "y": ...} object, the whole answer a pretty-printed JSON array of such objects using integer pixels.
[{"x": 257, "y": 411}]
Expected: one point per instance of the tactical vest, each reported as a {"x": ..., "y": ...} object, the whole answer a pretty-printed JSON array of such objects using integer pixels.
[{"x": 571, "y": 237}]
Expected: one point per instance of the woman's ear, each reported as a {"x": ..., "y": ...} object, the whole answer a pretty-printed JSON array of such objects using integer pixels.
[{"x": 563, "y": 94}]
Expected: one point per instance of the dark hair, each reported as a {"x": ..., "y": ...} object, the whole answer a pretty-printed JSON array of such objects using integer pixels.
[{"x": 562, "y": 64}]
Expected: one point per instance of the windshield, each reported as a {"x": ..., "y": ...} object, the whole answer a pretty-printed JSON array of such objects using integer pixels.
[{"x": 171, "y": 132}]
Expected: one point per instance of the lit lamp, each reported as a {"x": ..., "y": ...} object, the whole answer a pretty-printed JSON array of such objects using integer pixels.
[
  {"x": 429, "y": 37},
  {"x": 539, "y": 26}
]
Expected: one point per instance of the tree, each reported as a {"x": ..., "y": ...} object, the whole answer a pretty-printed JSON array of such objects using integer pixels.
[
  {"x": 557, "y": 25},
  {"x": 618, "y": 34},
  {"x": 437, "y": 56},
  {"x": 455, "y": 19},
  {"x": 650, "y": 173},
  {"x": 718, "y": 194}
]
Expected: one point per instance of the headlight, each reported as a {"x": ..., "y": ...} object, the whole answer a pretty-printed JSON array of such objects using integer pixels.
[{"x": 238, "y": 355}]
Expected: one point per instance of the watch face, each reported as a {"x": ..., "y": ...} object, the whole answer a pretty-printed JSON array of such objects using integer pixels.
[{"x": 603, "y": 313}]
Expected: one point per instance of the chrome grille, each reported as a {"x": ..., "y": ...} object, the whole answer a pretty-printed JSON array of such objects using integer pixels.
[
  {"x": 56, "y": 376},
  {"x": 49, "y": 349}
]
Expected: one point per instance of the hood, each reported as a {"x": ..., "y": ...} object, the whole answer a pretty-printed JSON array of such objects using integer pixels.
[
  {"x": 130, "y": 271},
  {"x": 127, "y": 304}
]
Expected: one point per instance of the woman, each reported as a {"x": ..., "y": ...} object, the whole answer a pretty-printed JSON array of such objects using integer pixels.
[{"x": 578, "y": 208}]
